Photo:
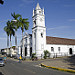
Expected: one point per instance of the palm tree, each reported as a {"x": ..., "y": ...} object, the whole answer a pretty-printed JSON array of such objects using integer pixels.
[
  {"x": 10, "y": 31},
  {"x": 7, "y": 32},
  {"x": 15, "y": 16},
  {"x": 16, "y": 24},
  {"x": 24, "y": 25}
]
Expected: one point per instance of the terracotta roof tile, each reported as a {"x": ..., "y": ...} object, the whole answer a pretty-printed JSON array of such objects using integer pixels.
[
  {"x": 62, "y": 41},
  {"x": 59, "y": 41}
]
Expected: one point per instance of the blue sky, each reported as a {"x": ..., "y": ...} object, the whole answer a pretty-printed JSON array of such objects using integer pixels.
[{"x": 59, "y": 14}]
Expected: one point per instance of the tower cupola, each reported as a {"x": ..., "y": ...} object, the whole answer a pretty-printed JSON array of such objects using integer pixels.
[{"x": 38, "y": 7}]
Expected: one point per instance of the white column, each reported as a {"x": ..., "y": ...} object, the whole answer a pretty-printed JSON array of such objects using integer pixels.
[
  {"x": 23, "y": 48},
  {"x": 33, "y": 42},
  {"x": 28, "y": 47},
  {"x": 38, "y": 43},
  {"x": 19, "y": 50},
  {"x": 11, "y": 51}
]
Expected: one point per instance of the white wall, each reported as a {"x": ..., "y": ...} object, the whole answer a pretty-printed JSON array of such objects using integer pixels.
[{"x": 64, "y": 49}]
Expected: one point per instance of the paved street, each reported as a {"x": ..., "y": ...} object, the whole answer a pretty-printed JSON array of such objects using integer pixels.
[{"x": 28, "y": 68}]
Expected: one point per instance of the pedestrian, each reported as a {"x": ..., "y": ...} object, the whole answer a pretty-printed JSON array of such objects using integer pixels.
[
  {"x": 20, "y": 59},
  {"x": 5, "y": 58}
]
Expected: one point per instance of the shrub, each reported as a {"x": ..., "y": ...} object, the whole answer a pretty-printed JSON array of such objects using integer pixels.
[
  {"x": 33, "y": 55},
  {"x": 46, "y": 54}
]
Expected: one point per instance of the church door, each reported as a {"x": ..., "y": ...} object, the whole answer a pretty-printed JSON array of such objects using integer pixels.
[
  {"x": 21, "y": 51},
  {"x": 30, "y": 51},
  {"x": 25, "y": 51},
  {"x": 70, "y": 51}
]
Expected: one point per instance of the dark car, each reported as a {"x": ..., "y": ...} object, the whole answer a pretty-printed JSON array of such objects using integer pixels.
[{"x": 1, "y": 62}]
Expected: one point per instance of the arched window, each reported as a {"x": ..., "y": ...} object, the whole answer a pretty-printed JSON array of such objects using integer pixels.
[
  {"x": 34, "y": 35},
  {"x": 40, "y": 12},
  {"x": 42, "y": 35},
  {"x": 70, "y": 51},
  {"x": 52, "y": 49},
  {"x": 59, "y": 49}
]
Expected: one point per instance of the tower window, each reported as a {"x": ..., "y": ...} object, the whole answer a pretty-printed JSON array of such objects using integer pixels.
[
  {"x": 34, "y": 22},
  {"x": 59, "y": 49},
  {"x": 34, "y": 35},
  {"x": 26, "y": 40},
  {"x": 42, "y": 35},
  {"x": 39, "y": 11},
  {"x": 52, "y": 49}
]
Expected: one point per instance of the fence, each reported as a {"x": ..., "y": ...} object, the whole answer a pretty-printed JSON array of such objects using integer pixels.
[{"x": 55, "y": 55}]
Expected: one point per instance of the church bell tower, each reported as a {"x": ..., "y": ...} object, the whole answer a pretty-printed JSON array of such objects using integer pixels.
[{"x": 38, "y": 31}]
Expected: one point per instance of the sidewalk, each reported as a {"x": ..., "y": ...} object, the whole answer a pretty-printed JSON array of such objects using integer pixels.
[
  {"x": 64, "y": 63},
  {"x": 17, "y": 60}
]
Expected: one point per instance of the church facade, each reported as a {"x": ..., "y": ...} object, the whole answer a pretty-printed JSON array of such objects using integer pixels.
[{"x": 37, "y": 42}]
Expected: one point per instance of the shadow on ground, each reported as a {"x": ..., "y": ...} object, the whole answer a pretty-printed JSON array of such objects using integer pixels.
[
  {"x": 71, "y": 61},
  {"x": 1, "y": 73}
]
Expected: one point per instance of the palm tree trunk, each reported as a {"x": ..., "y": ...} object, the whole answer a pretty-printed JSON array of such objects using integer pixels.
[
  {"x": 15, "y": 39},
  {"x": 7, "y": 41},
  {"x": 10, "y": 47},
  {"x": 16, "y": 43},
  {"x": 10, "y": 41},
  {"x": 7, "y": 45}
]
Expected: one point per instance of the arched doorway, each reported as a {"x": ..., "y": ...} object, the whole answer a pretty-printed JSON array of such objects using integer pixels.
[
  {"x": 30, "y": 51},
  {"x": 70, "y": 51},
  {"x": 25, "y": 51},
  {"x": 21, "y": 51}
]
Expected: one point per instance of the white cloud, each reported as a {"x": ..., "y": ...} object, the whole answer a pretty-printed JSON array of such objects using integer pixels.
[
  {"x": 56, "y": 28},
  {"x": 71, "y": 20},
  {"x": 69, "y": 5},
  {"x": 50, "y": 28},
  {"x": 28, "y": 1}
]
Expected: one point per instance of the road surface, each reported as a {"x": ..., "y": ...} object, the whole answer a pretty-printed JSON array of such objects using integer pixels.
[{"x": 28, "y": 68}]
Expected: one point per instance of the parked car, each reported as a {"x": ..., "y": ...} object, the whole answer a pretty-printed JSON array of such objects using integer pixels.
[{"x": 2, "y": 61}]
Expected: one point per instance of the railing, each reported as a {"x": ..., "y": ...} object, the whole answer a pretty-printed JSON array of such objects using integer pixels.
[{"x": 55, "y": 55}]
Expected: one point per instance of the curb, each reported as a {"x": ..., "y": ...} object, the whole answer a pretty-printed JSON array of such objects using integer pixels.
[{"x": 61, "y": 69}]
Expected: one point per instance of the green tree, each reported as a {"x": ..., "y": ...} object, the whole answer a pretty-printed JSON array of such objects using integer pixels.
[
  {"x": 15, "y": 16},
  {"x": 15, "y": 23},
  {"x": 24, "y": 25},
  {"x": 9, "y": 29},
  {"x": 7, "y": 32},
  {"x": 46, "y": 53}
]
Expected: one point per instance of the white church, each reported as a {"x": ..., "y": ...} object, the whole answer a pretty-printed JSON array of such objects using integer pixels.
[{"x": 37, "y": 42}]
